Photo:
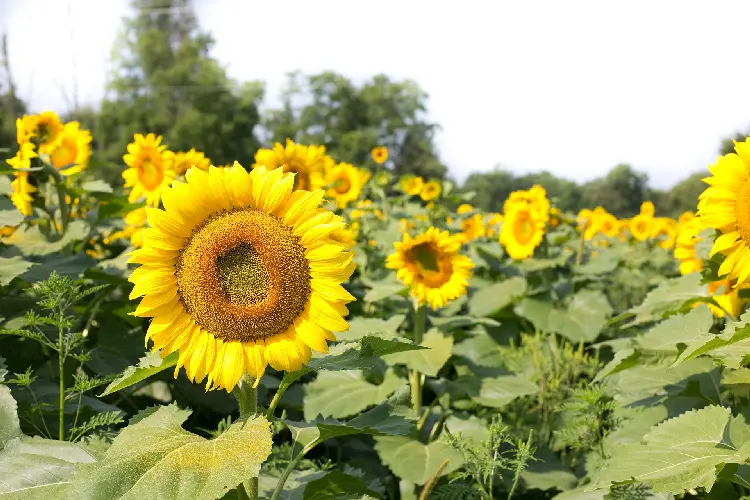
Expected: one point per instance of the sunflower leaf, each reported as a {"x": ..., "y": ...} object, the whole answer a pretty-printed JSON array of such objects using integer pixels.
[
  {"x": 361, "y": 355},
  {"x": 438, "y": 349},
  {"x": 414, "y": 461},
  {"x": 156, "y": 458},
  {"x": 10, "y": 427},
  {"x": 488, "y": 300},
  {"x": 150, "y": 364},
  {"x": 338, "y": 486},
  {"x": 12, "y": 267}
]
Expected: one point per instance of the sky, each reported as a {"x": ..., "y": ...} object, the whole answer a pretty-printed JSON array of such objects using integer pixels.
[{"x": 571, "y": 87}]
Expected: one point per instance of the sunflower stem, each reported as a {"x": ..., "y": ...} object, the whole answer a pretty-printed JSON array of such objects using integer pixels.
[
  {"x": 60, "y": 185},
  {"x": 290, "y": 468},
  {"x": 415, "y": 378},
  {"x": 247, "y": 399},
  {"x": 580, "y": 244}
]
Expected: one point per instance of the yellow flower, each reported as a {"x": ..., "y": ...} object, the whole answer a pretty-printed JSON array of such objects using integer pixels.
[
  {"x": 73, "y": 149},
  {"x": 430, "y": 190},
  {"x": 308, "y": 162},
  {"x": 464, "y": 208},
  {"x": 522, "y": 231},
  {"x": 411, "y": 185},
  {"x": 150, "y": 170},
  {"x": 25, "y": 129},
  {"x": 685, "y": 217},
  {"x": 684, "y": 250},
  {"x": 725, "y": 206},
  {"x": 727, "y": 296},
  {"x": 494, "y": 220},
  {"x": 6, "y": 231},
  {"x": 240, "y": 272},
  {"x": 135, "y": 223},
  {"x": 473, "y": 227},
  {"x": 345, "y": 183},
  {"x": 22, "y": 189},
  {"x": 406, "y": 225},
  {"x": 346, "y": 236},
  {"x": 182, "y": 161},
  {"x": 665, "y": 229},
  {"x": 535, "y": 198},
  {"x": 23, "y": 156},
  {"x": 647, "y": 208},
  {"x": 48, "y": 130},
  {"x": 605, "y": 222},
  {"x": 430, "y": 264},
  {"x": 554, "y": 216},
  {"x": 380, "y": 154}
]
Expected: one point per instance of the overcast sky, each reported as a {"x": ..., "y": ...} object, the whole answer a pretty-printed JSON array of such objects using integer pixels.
[{"x": 572, "y": 87}]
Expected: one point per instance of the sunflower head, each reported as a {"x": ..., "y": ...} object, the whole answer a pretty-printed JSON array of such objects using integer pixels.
[
  {"x": 685, "y": 217},
  {"x": 345, "y": 183},
  {"x": 665, "y": 230},
  {"x": 22, "y": 191},
  {"x": 411, "y": 184},
  {"x": 473, "y": 227},
  {"x": 182, "y": 161},
  {"x": 431, "y": 190},
  {"x": 308, "y": 162},
  {"x": 431, "y": 265},
  {"x": 647, "y": 208},
  {"x": 72, "y": 150},
  {"x": 135, "y": 222},
  {"x": 522, "y": 231},
  {"x": 726, "y": 293},
  {"x": 380, "y": 154},
  {"x": 604, "y": 222},
  {"x": 239, "y": 272},
  {"x": 150, "y": 169},
  {"x": 48, "y": 129},
  {"x": 641, "y": 226},
  {"x": 685, "y": 242},
  {"x": 464, "y": 208},
  {"x": 26, "y": 128}
]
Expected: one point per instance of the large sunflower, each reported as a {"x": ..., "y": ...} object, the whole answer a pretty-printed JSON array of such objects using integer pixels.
[
  {"x": 725, "y": 205},
  {"x": 522, "y": 231},
  {"x": 150, "y": 169},
  {"x": 430, "y": 264},
  {"x": 72, "y": 150},
  {"x": 239, "y": 272},
  {"x": 345, "y": 183},
  {"x": 48, "y": 129},
  {"x": 308, "y": 162}
]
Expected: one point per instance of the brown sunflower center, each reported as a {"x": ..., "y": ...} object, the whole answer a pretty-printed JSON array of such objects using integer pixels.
[
  {"x": 342, "y": 185},
  {"x": 433, "y": 267},
  {"x": 150, "y": 174},
  {"x": 243, "y": 276},
  {"x": 46, "y": 132},
  {"x": 742, "y": 211}
]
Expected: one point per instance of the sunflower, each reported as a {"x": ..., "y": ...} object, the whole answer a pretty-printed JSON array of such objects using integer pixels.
[
  {"x": 727, "y": 296},
  {"x": 464, "y": 208},
  {"x": 493, "y": 224},
  {"x": 555, "y": 216},
  {"x": 135, "y": 223},
  {"x": 685, "y": 217},
  {"x": 606, "y": 223},
  {"x": 22, "y": 189},
  {"x": 23, "y": 156},
  {"x": 48, "y": 130},
  {"x": 430, "y": 190},
  {"x": 25, "y": 129},
  {"x": 664, "y": 229},
  {"x": 308, "y": 162},
  {"x": 725, "y": 206},
  {"x": 345, "y": 183},
  {"x": 150, "y": 169},
  {"x": 411, "y": 184},
  {"x": 473, "y": 227},
  {"x": 642, "y": 225},
  {"x": 380, "y": 154},
  {"x": 182, "y": 161},
  {"x": 430, "y": 264},
  {"x": 522, "y": 231},
  {"x": 684, "y": 250},
  {"x": 73, "y": 149},
  {"x": 240, "y": 272}
]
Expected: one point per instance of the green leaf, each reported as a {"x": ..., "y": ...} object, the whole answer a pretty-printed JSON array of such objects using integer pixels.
[
  {"x": 361, "y": 327},
  {"x": 669, "y": 296},
  {"x": 294, "y": 486},
  {"x": 428, "y": 361},
  {"x": 604, "y": 262},
  {"x": 343, "y": 393},
  {"x": 34, "y": 468},
  {"x": 115, "y": 206},
  {"x": 414, "y": 461},
  {"x": 730, "y": 347},
  {"x": 481, "y": 349},
  {"x": 150, "y": 364},
  {"x": 10, "y": 427},
  {"x": 10, "y": 217},
  {"x": 584, "y": 318},
  {"x": 12, "y": 268},
  {"x": 471, "y": 428},
  {"x": 532, "y": 265},
  {"x": 624, "y": 359},
  {"x": 497, "y": 392},
  {"x": 338, "y": 486},
  {"x": 154, "y": 457},
  {"x": 5, "y": 185},
  {"x": 96, "y": 186},
  {"x": 30, "y": 240},
  {"x": 360, "y": 355},
  {"x": 65, "y": 265},
  {"x": 679, "y": 329},
  {"x": 491, "y": 299},
  {"x": 681, "y": 453},
  {"x": 380, "y": 290}
]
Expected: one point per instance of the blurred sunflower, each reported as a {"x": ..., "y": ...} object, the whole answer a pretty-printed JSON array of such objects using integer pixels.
[
  {"x": 522, "y": 231},
  {"x": 135, "y": 223},
  {"x": 665, "y": 230},
  {"x": 604, "y": 222},
  {"x": 308, "y": 162},
  {"x": 72, "y": 150},
  {"x": 586, "y": 223},
  {"x": 494, "y": 220},
  {"x": 555, "y": 217},
  {"x": 725, "y": 206},
  {"x": 22, "y": 190},
  {"x": 23, "y": 156},
  {"x": 430, "y": 264},
  {"x": 411, "y": 184},
  {"x": 380, "y": 154},
  {"x": 25, "y": 129},
  {"x": 464, "y": 208},
  {"x": 346, "y": 236},
  {"x": 473, "y": 227},
  {"x": 150, "y": 170},
  {"x": 48, "y": 129},
  {"x": 641, "y": 226},
  {"x": 431, "y": 190},
  {"x": 727, "y": 296},
  {"x": 684, "y": 250},
  {"x": 685, "y": 217},
  {"x": 345, "y": 183},
  {"x": 240, "y": 272},
  {"x": 184, "y": 160}
]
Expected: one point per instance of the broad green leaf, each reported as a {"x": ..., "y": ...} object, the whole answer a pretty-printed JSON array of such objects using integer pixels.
[
  {"x": 10, "y": 427},
  {"x": 150, "y": 364},
  {"x": 154, "y": 457},
  {"x": 730, "y": 347},
  {"x": 491, "y": 299},
  {"x": 387, "y": 418},
  {"x": 115, "y": 206},
  {"x": 338, "y": 486},
  {"x": 448, "y": 322},
  {"x": 383, "y": 289},
  {"x": 10, "y": 217},
  {"x": 471, "y": 428},
  {"x": 496, "y": 392},
  {"x": 294, "y": 487},
  {"x": 383, "y": 328},
  {"x": 547, "y": 472},
  {"x": 30, "y": 240},
  {"x": 12, "y": 268},
  {"x": 96, "y": 186},
  {"x": 360, "y": 355},
  {"x": 343, "y": 393},
  {"x": 668, "y": 297},
  {"x": 679, "y": 329},
  {"x": 428, "y": 361},
  {"x": 581, "y": 494},
  {"x": 5, "y": 185},
  {"x": 532, "y": 265},
  {"x": 34, "y": 468},
  {"x": 624, "y": 359},
  {"x": 603, "y": 262},
  {"x": 681, "y": 453},
  {"x": 65, "y": 265},
  {"x": 414, "y": 461},
  {"x": 584, "y": 318},
  {"x": 480, "y": 348}
]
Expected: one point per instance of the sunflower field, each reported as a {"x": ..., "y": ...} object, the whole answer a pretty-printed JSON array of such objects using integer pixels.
[{"x": 295, "y": 327}]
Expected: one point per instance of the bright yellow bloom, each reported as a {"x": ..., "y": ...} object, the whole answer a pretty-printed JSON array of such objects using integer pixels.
[
  {"x": 586, "y": 223},
  {"x": 150, "y": 170},
  {"x": 473, "y": 227},
  {"x": 380, "y": 154},
  {"x": 411, "y": 185},
  {"x": 464, "y": 208},
  {"x": 522, "y": 231},
  {"x": 685, "y": 217},
  {"x": 431, "y": 265},
  {"x": 25, "y": 129},
  {"x": 345, "y": 183},
  {"x": 430, "y": 190},
  {"x": 308, "y": 162},
  {"x": 135, "y": 223},
  {"x": 665, "y": 229},
  {"x": 535, "y": 198},
  {"x": 647, "y": 208},
  {"x": 494, "y": 220},
  {"x": 23, "y": 156},
  {"x": 725, "y": 206},
  {"x": 240, "y": 272},
  {"x": 48, "y": 130},
  {"x": 727, "y": 296},
  {"x": 684, "y": 251},
  {"x": 22, "y": 190},
  {"x": 72, "y": 149},
  {"x": 346, "y": 236},
  {"x": 642, "y": 225},
  {"x": 184, "y": 160}
]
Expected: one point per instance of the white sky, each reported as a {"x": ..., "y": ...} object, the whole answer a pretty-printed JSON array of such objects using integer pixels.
[{"x": 572, "y": 87}]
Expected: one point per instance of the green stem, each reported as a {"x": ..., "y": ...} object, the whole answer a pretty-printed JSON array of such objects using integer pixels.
[
  {"x": 61, "y": 402},
  {"x": 415, "y": 378},
  {"x": 60, "y": 186},
  {"x": 290, "y": 468},
  {"x": 580, "y": 244},
  {"x": 247, "y": 399}
]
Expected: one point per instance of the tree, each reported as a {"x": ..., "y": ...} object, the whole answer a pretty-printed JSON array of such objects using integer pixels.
[
  {"x": 350, "y": 120},
  {"x": 10, "y": 104},
  {"x": 621, "y": 191},
  {"x": 167, "y": 83}
]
